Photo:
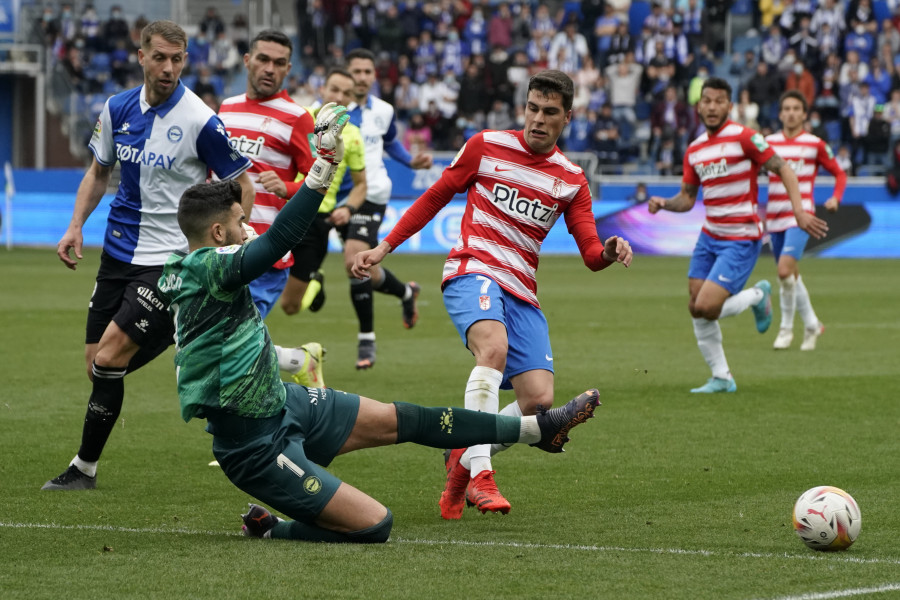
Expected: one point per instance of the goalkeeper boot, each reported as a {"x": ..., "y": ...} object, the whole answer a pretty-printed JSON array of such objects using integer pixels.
[
  {"x": 482, "y": 493},
  {"x": 310, "y": 374},
  {"x": 556, "y": 422},
  {"x": 365, "y": 355},
  {"x": 410, "y": 309},
  {"x": 715, "y": 385},
  {"x": 453, "y": 498},
  {"x": 258, "y": 521},
  {"x": 71, "y": 479},
  {"x": 811, "y": 335},
  {"x": 762, "y": 310}
]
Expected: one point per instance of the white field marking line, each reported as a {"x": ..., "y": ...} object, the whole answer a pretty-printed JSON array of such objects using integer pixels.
[
  {"x": 526, "y": 545},
  {"x": 887, "y": 587},
  {"x": 674, "y": 551}
]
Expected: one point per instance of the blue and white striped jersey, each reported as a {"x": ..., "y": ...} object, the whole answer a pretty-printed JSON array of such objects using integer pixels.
[
  {"x": 378, "y": 126},
  {"x": 162, "y": 151}
]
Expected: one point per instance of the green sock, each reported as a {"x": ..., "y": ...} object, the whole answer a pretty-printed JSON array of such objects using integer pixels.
[{"x": 449, "y": 427}]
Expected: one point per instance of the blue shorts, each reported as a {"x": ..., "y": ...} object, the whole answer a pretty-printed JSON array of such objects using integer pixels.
[
  {"x": 473, "y": 298},
  {"x": 281, "y": 460},
  {"x": 791, "y": 242},
  {"x": 267, "y": 288},
  {"x": 727, "y": 263}
]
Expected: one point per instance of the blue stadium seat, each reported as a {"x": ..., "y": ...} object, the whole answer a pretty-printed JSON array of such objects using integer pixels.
[
  {"x": 833, "y": 129},
  {"x": 637, "y": 12}
]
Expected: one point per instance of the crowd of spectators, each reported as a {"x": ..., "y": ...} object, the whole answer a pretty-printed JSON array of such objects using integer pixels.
[{"x": 454, "y": 67}]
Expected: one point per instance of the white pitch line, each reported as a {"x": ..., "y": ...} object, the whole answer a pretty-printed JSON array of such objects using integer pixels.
[
  {"x": 528, "y": 545},
  {"x": 887, "y": 587}
]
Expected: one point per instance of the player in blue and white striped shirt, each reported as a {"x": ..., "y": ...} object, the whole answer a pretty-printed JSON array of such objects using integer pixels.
[{"x": 165, "y": 140}]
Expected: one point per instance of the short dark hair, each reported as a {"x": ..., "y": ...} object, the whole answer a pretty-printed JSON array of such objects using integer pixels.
[
  {"x": 796, "y": 95},
  {"x": 168, "y": 30},
  {"x": 204, "y": 203},
  {"x": 717, "y": 83},
  {"x": 272, "y": 35},
  {"x": 363, "y": 53},
  {"x": 554, "y": 82},
  {"x": 338, "y": 71}
]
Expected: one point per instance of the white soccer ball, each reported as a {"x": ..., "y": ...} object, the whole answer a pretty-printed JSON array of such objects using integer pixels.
[{"x": 827, "y": 518}]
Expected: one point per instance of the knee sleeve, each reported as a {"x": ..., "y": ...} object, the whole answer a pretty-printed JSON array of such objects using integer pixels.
[{"x": 376, "y": 534}]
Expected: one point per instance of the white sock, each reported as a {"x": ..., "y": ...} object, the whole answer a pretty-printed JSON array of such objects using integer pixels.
[
  {"x": 88, "y": 468},
  {"x": 740, "y": 302},
  {"x": 788, "y": 301},
  {"x": 529, "y": 432},
  {"x": 709, "y": 340},
  {"x": 290, "y": 359},
  {"x": 482, "y": 394},
  {"x": 804, "y": 306},
  {"x": 369, "y": 336},
  {"x": 513, "y": 410}
]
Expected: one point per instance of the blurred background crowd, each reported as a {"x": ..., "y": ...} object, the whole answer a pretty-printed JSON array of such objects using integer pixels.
[{"x": 454, "y": 67}]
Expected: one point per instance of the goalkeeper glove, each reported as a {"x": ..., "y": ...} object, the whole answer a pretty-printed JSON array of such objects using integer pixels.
[{"x": 329, "y": 145}]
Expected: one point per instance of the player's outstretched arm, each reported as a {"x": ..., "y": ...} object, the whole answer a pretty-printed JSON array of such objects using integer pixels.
[
  {"x": 811, "y": 224},
  {"x": 90, "y": 192},
  {"x": 363, "y": 261},
  {"x": 683, "y": 201}
]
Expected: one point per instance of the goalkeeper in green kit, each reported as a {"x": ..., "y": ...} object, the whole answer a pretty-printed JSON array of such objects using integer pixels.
[{"x": 273, "y": 438}]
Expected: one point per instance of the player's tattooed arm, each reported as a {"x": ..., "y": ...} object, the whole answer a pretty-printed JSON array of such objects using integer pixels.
[
  {"x": 683, "y": 201},
  {"x": 774, "y": 164}
]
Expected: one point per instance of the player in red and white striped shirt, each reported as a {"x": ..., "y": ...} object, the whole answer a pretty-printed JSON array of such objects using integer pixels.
[
  {"x": 273, "y": 131},
  {"x": 804, "y": 152},
  {"x": 518, "y": 184},
  {"x": 726, "y": 161}
]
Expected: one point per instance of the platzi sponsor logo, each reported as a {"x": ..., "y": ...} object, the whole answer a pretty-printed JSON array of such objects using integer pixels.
[
  {"x": 713, "y": 169},
  {"x": 533, "y": 210},
  {"x": 129, "y": 154}
]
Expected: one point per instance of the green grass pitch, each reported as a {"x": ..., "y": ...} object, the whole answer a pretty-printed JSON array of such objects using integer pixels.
[{"x": 664, "y": 495}]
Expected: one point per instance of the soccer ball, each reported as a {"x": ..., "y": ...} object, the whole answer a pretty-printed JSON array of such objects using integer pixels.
[{"x": 827, "y": 518}]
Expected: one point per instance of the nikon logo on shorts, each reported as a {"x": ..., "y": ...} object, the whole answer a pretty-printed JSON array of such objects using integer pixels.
[
  {"x": 533, "y": 210},
  {"x": 129, "y": 154}
]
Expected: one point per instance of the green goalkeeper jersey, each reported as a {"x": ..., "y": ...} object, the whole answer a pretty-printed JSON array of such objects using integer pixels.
[{"x": 224, "y": 358}]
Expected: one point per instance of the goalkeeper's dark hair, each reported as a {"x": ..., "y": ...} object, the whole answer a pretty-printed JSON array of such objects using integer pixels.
[
  {"x": 363, "y": 53},
  {"x": 272, "y": 35},
  {"x": 552, "y": 82},
  {"x": 203, "y": 204}
]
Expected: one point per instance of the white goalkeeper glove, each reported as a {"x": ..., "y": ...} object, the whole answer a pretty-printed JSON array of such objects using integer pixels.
[
  {"x": 329, "y": 145},
  {"x": 251, "y": 233}
]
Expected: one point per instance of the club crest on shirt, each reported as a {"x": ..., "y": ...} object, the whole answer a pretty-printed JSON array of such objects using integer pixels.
[
  {"x": 175, "y": 134},
  {"x": 484, "y": 302}
]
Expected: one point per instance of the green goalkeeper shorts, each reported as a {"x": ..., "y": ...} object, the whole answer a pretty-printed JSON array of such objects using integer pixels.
[{"x": 280, "y": 460}]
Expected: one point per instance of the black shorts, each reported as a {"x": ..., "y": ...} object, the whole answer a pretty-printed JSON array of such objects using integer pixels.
[
  {"x": 364, "y": 224},
  {"x": 310, "y": 253},
  {"x": 127, "y": 294}
]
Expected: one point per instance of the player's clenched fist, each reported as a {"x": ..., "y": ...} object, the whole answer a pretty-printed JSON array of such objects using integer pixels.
[{"x": 329, "y": 145}]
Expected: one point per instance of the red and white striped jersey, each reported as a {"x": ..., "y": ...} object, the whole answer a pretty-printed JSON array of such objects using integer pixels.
[
  {"x": 514, "y": 197},
  {"x": 804, "y": 153},
  {"x": 274, "y": 133},
  {"x": 726, "y": 163}
]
